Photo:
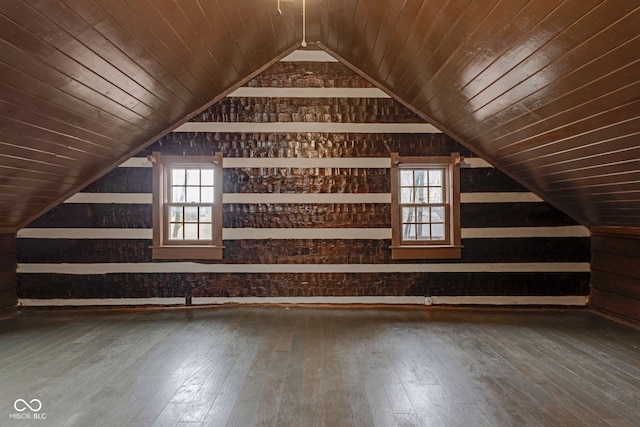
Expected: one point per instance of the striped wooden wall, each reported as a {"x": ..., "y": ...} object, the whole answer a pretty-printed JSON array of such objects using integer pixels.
[
  {"x": 615, "y": 276},
  {"x": 8, "y": 296},
  {"x": 306, "y": 211}
]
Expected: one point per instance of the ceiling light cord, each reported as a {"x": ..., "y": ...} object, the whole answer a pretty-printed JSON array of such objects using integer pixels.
[
  {"x": 304, "y": 20},
  {"x": 304, "y": 23}
]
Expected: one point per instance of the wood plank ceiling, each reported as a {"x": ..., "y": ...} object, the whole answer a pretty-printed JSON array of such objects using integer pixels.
[{"x": 546, "y": 90}]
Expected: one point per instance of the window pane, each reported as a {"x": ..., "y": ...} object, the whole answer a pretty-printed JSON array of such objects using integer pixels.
[
  {"x": 437, "y": 214},
  {"x": 206, "y": 195},
  {"x": 437, "y": 231},
  {"x": 177, "y": 194},
  {"x": 435, "y": 177},
  {"x": 177, "y": 177},
  {"x": 419, "y": 178},
  {"x": 193, "y": 176},
  {"x": 421, "y": 195},
  {"x": 176, "y": 214},
  {"x": 175, "y": 231},
  {"x": 206, "y": 177},
  {"x": 406, "y": 195},
  {"x": 408, "y": 214},
  {"x": 406, "y": 178},
  {"x": 193, "y": 195},
  {"x": 424, "y": 232},
  {"x": 191, "y": 231},
  {"x": 191, "y": 214},
  {"x": 422, "y": 215},
  {"x": 205, "y": 214},
  {"x": 435, "y": 195},
  {"x": 409, "y": 231},
  {"x": 205, "y": 232}
]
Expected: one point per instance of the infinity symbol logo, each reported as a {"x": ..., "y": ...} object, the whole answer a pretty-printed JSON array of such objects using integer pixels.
[{"x": 21, "y": 405}]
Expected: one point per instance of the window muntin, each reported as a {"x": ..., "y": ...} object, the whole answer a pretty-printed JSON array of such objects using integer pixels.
[
  {"x": 425, "y": 207},
  {"x": 191, "y": 203}
]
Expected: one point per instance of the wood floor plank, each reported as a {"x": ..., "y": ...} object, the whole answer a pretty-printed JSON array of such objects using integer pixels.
[{"x": 304, "y": 366}]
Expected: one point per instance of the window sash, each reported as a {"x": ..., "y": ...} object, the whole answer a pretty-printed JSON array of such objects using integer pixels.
[{"x": 415, "y": 187}]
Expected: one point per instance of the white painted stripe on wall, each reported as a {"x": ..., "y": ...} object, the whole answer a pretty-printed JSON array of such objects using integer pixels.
[
  {"x": 86, "y": 233},
  {"x": 569, "y": 300},
  {"x": 300, "y": 233},
  {"x": 524, "y": 232},
  {"x": 308, "y": 92},
  {"x": 475, "y": 162},
  {"x": 308, "y": 56},
  {"x": 577, "y": 300},
  {"x": 320, "y": 127},
  {"x": 136, "y": 162},
  {"x": 300, "y": 198},
  {"x": 521, "y": 197},
  {"x": 123, "y": 198},
  {"x": 305, "y": 162},
  {"x": 82, "y": 302},
  {"x": 193, "y": 267},
  {"x": 311, "y": 198},
  {"x": 408, "y": 300}
]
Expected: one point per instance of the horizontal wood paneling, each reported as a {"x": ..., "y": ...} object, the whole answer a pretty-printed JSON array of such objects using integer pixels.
[
  {"x": 8, "y": 280},
  {"x": 92, "y": 81},
  {"x": 136, "y": 285},
  {"x": 615, "y": 282},
  {"x": 615, "y": 303},
  {"x": 545, "y": 89}
]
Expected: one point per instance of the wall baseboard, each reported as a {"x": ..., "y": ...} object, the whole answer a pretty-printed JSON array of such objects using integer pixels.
[{"x": 567, "y": 301}]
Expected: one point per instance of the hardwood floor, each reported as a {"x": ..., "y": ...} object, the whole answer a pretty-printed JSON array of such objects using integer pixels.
[{"x": 299, "y": 366}]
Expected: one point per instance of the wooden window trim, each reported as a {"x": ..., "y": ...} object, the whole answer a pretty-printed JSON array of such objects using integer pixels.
[
  {"x": 162, "y": 248},
  {"x": 452, "y": 247}
]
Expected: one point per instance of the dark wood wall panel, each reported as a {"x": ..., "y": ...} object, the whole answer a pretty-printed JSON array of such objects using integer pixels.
[
  {"x": 91, "y": 215},
  {"x": 138, "y": 180},
  {"x": 8, "y": 281},
  {"x": 137, "y": 285},
  {"x": 267, "y": 144},
  {"x": 473, "y": 215},
  {"x": 308, "y": 251},
  {"x": 615, "y": 261}
]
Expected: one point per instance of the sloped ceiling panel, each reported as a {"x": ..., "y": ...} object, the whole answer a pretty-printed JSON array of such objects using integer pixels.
[
  {"x": 86, "y": 83},
  {"x": 547, "y": 90}
]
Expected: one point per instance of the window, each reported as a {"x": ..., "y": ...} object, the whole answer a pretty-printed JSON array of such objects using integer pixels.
[
  {"x": 187, "y": 207},
  {"x": 425, "y": 197}
]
